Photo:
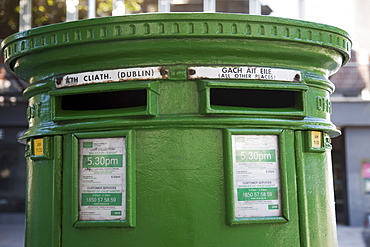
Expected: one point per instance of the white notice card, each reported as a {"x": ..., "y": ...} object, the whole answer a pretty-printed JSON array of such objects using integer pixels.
[
  {"x": 102, "y": 179},
  {"x": 256, "y": 176}
]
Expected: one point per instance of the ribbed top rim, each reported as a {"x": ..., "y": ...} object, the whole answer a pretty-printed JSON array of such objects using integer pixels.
[{"x": 175, "y": 25}]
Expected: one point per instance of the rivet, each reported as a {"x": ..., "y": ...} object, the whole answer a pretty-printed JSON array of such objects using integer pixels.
[
  {"x": 191, "y": 71},
  {"x": 297, "y": 77}
]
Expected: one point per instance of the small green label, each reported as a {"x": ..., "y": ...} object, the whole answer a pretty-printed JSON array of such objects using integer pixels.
[
  {"x": 256, "y": 155},
  {"x": 111, "y": 160},
  {"x": 101, "y": 199},
  {"x": 257, "y": 194},
  {"x": 116, "y": 213},
  {"x": 270, "y": 207},
  {"x": 87, "y": 144},
  {"x": 240, "y": 139}
]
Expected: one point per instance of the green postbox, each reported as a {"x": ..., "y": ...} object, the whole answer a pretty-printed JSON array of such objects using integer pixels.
[{"x": 179, "y": 129}]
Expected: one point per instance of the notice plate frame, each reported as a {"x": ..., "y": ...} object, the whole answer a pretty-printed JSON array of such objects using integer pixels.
[
  {"x": 130, "y": 208},
  {"x": 232, "y": 218}
]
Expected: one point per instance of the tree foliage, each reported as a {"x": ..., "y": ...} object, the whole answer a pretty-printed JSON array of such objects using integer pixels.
[
  {"x": 133, "y": 5},
  {"x": 9, "y": 18},
  {"x": 105, "y": 7},
  {"x": 45, "y": 12}
]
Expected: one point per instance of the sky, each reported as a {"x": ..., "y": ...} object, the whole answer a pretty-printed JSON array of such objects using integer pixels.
[{"x": 338, "y": 13}]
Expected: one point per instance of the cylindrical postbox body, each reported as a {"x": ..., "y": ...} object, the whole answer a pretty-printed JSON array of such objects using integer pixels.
[{"x": 179, "y": 129}]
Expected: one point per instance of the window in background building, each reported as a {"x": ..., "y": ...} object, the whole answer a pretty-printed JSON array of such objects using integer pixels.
[{"x": 340, "y": 181}]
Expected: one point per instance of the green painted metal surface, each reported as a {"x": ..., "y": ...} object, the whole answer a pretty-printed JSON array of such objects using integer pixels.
[{"x": 179, "y": 125}]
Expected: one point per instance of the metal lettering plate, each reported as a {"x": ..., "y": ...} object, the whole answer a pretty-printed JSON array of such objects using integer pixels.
[
  {"x": 115, "y": 75},
  {"x": 244, "y": 73}
]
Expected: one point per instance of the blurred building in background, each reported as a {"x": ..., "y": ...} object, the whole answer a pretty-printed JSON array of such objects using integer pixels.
[
  {"x": 12, "y": 124},
  {"x": 350, "y": 102},
  {"x": 351, "y": 114}
]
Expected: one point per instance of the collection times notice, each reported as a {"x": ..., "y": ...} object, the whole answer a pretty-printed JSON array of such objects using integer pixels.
[
  {"x": 256, "y": 176},
  {"x": 102, "y": 179}
]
